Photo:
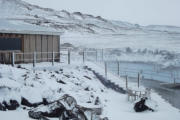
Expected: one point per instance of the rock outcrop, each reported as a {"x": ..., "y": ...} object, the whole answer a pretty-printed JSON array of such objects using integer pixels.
[
  {"x": 11, "y": 105},
  {"x": 66, "y": 108}
]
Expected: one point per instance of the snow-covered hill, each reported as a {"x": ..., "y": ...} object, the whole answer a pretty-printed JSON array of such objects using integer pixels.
[{"x": 18, "y": 10}]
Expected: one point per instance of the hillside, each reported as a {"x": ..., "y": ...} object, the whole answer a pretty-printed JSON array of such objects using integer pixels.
[{"x": 17, "y": 10}]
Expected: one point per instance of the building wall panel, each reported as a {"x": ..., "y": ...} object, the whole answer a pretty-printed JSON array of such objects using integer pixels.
[
  {"x": 26, "y": 48},
  {"x": 38, "y": 47},
  {"x": 19, "y": 56},
  {"x": 44, "y": 47},
  {"x": 32, "y": 46},
  {"x": 50, "y": 47},
  {"x": 56, "y": 45}
]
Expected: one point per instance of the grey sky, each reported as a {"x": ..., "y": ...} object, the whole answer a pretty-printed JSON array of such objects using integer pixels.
[{"x": 144, "y": 12}]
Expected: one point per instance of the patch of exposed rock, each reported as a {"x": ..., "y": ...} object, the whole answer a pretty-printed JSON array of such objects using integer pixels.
[{"x": 66, "y": 108}]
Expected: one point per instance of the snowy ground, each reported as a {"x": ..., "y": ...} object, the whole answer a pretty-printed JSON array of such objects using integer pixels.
[
  {"x": 134, "y": 40},
  {"x": 160, "y": 48},
  {"x": 43, "y": 84}
]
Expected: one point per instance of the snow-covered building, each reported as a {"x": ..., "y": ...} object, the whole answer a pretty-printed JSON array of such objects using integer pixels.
[{"x": 25, "y": 39}]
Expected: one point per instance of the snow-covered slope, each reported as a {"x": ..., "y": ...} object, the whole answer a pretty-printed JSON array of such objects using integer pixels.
[
  {"x": 75, "y": 80},
  {"x": 18, "y": 10},
  {"x": 61, "y": 20},
  {"x": 164, "y": 28}
]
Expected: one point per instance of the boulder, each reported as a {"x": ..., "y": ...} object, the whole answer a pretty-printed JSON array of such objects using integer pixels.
[
  {"x": 67, "y": 115},
  {"x": 105, "y": 118},
  {"x": 2, "y": 107},
  {"x": 54, "y": 110},
  {"x": 36, "y": 115},
  {"x": 65, "y": 108},
  {"x": 25, "y": 102},
  {"x": 12, "y": 105},
  {"x": 97, "y": 101}
]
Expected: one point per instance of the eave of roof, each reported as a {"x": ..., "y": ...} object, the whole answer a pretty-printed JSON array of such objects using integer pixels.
[{"x": 32, "y": 32}]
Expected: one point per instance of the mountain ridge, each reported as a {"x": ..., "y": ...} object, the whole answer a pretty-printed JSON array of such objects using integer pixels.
[{"x": 18, "y": 10}]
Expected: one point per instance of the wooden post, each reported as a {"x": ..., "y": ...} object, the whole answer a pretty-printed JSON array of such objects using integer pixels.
[
  {"x": 23, "y": 58},
  {"x": 96, "y": 55},
  {"x": 118, "y": 69},
  {"x": 105, "y": 63},
  {"x": 174, "y": 76},
  {"x": 59, "y": 55},
  {"x": 34, "y": 59},
  {"x": 53, "y": 58},
  {"x": 83, "y": 56},
  {"x": 138, "y": 79},
  {"x": 69, "y": 57},
  {"x": 13, "y": 59},
  {"x": 91, "y": 116},
  {"x": 126, "y": 82},
  {"x": 102, "y": 54}
]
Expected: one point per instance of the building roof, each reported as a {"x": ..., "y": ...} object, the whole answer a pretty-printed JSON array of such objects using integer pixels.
[
  {"x": 32, "y": 32},
  {"x": 20, "y": 27}
]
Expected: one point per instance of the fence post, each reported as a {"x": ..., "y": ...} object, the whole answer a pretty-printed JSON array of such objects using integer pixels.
[
  {"x": 102, "y": 54},
  {"x": 83, "y": 56},
  {"x": 174, "y": 77},
  {"x": 126, "y": 82},
  {"x": 105, "y": 63},
  {"x": 59, "y": 55},
  {"x": 174, "y": 80},
  {"x": 13, "y": 59},
  {"x": 138, "y": 79},
  {"x": 34, "y": 59},
  {"x": 53, "y": 58},
  {"x": 118, "y": 69},
  {"x": 96, "y": 55},
  {"x": 69, "y": 57}
]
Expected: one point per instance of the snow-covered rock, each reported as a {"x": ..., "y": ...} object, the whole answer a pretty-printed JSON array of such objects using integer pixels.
[
  {"x": 79, "y": 88},
  {"x": 46, "y": 91},
  {"x": 65, "y": 108}
]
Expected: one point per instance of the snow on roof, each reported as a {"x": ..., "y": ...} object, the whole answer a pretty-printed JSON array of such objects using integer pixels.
[
  {"x": 32, "y": 32},
  {"x": 20, "y": 27}
]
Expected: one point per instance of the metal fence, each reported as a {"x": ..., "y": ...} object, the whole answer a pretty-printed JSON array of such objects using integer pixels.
[
  {"x": 35, "y": 57},
  {"x": 151, "y": 71},
  {"x": 103, "y": 57},
  {"x": 31, "y": 57},
  {"x": 120, "y": 69}
]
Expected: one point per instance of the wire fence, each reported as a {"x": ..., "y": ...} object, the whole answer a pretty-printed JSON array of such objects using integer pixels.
[
  {"x": 150, "y": 71},
  {"x": 104, "y": 57}
]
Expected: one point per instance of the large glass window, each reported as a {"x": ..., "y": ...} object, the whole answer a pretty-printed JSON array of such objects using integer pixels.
[{"x": 10, "y": 44}]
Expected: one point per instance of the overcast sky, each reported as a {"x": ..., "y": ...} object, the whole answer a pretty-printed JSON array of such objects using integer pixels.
[{"x": 144, "y": 12}]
